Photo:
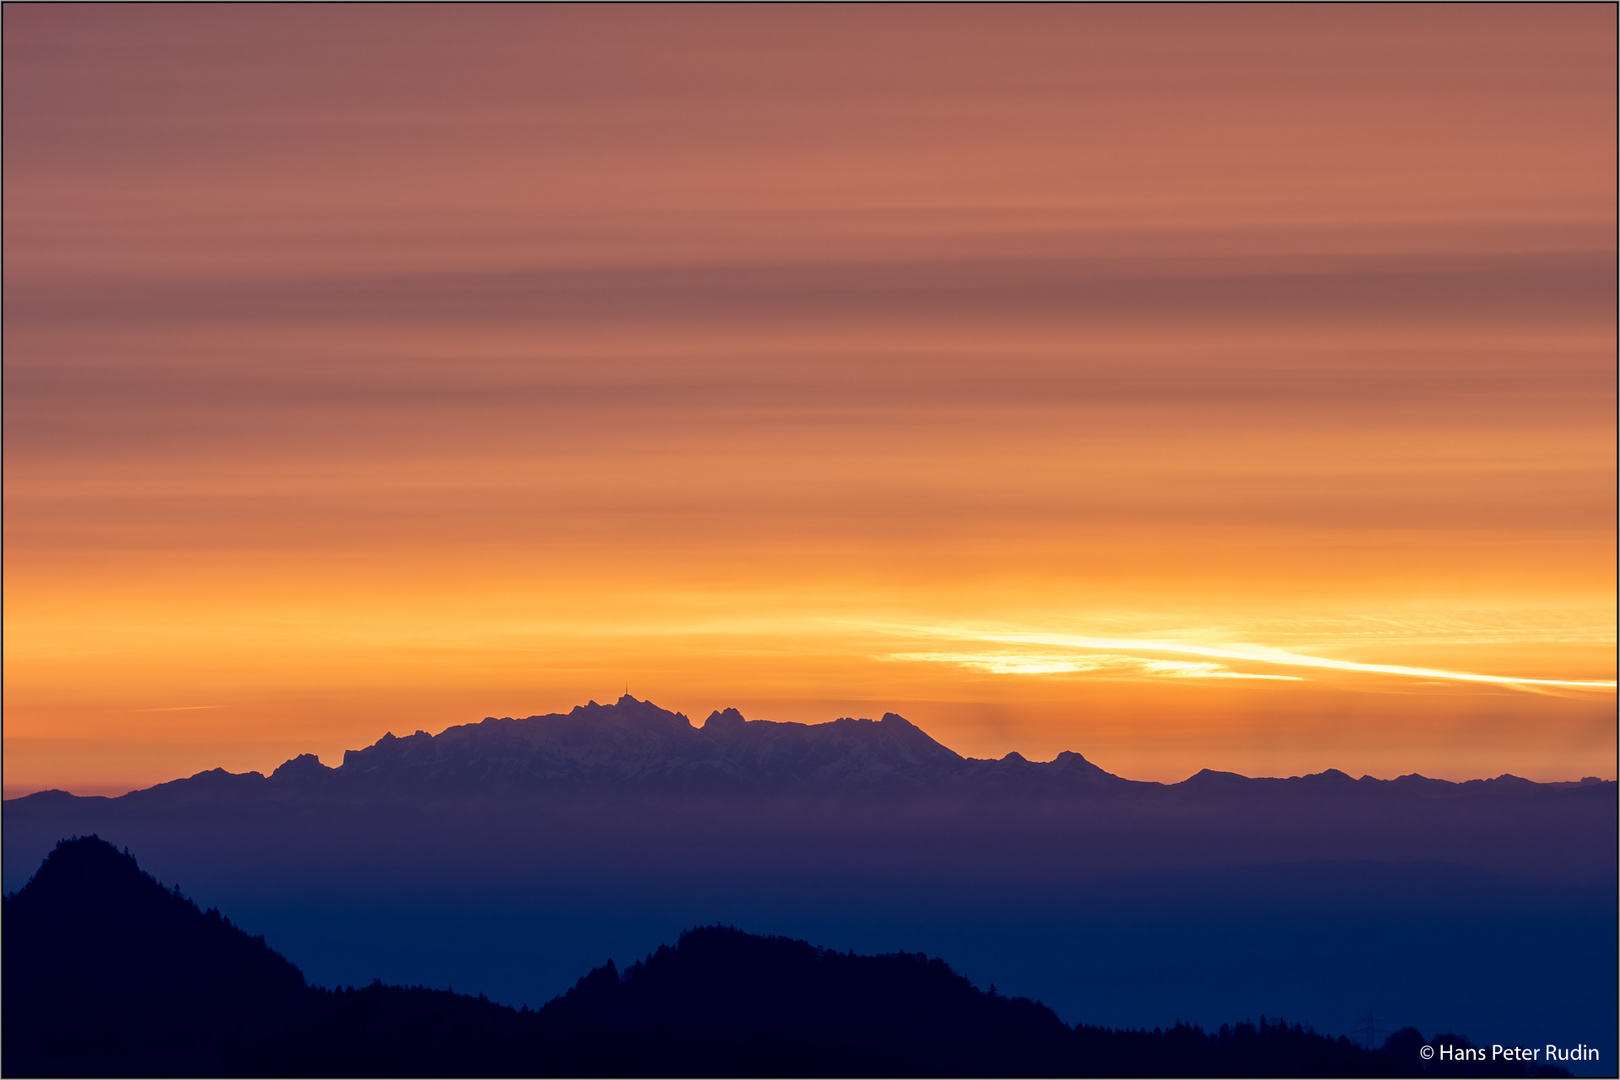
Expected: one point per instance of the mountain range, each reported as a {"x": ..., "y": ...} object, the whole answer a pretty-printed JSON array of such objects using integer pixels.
[
  {"x": 510, "y": 855},
  {"x": 634, "y": 745},
  {"x": 634, "y": 770}
]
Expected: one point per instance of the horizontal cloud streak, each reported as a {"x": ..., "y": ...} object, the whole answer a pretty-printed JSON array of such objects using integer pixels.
[
  {"x": 1104, "y": 663},
  {"x": 1488, "y": 289},
  {"x": 1251, "y": 653}
]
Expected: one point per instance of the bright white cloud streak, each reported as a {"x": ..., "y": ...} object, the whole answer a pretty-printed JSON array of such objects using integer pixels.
[
  {"x": 1046, "y": 664},
  {"x": 1104, "y": 663}
]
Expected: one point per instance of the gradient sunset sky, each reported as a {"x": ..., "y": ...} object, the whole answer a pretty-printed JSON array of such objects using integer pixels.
[{"x": 1184, "y": 386}]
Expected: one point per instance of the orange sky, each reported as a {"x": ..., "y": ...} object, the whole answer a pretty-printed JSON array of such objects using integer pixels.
[{"x": 376, "y": 368}]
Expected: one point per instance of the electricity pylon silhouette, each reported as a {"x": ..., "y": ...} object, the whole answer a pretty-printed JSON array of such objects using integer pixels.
[{"x": 1370, "y": 1030}]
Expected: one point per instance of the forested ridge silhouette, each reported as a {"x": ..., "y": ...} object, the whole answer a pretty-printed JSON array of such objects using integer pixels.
[{"x": 107, "y": 972}]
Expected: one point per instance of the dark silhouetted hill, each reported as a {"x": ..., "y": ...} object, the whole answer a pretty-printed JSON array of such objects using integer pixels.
[{"x": 109, "y": 973}]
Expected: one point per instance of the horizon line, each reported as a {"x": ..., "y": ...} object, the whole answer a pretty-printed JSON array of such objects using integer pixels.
[{"x": 7, "y": 797}]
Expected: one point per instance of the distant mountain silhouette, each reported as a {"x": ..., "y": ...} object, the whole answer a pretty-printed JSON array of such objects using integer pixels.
[
  {"x": 876, "y": 784},
  {"x": 106, "y": 972},
  {"x": 635, "y": 745}
]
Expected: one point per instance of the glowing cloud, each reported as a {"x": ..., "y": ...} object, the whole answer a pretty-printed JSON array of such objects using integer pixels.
[
  {"x": 1107, "y": 664},
  {"x": 1046, "y": 664}
]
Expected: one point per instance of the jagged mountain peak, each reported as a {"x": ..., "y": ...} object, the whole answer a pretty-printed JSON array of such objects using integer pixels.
[
  {"x": 724, "y": 719},
  {"x": 630, "y": 710},
  {"x": 302, "y": 767},
  {"x": 639, "y": 743}
]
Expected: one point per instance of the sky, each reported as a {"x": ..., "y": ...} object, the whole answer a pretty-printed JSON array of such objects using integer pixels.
[{"x": 1189, "y": 387}]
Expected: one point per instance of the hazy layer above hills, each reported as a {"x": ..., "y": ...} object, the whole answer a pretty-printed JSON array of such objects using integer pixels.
[{"x": 109, "y": 973}]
